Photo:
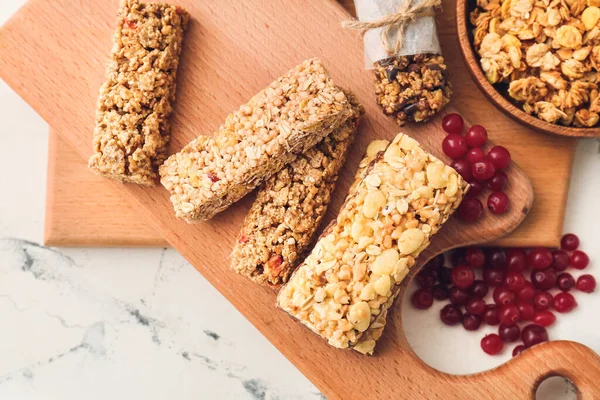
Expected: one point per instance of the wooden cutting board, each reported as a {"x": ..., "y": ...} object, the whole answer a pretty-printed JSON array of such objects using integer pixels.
[
  {"x": 73, "y": 218},
  {"x": 233, "y": 49}
]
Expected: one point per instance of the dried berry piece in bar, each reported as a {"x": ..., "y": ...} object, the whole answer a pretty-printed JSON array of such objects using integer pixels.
[{"x": 412, "y": 88}]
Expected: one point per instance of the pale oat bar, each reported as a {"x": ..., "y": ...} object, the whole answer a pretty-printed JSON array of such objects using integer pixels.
[
  {"x": 343, "y": 289},
  {"x": 289, "y": 207},
  {"x": 132, "y": 126},
  {"x": 290, "y": 116}
]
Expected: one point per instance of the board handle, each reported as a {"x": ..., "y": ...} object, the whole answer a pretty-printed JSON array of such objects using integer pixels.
[{"x": 574, "y": 361}]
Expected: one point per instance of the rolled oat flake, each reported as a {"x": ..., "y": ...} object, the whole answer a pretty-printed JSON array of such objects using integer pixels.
[{"x": 402, "y": 46}]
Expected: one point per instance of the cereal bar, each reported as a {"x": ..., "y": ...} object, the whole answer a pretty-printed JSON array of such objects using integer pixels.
[
  {"x": 343, "y": 289},
  {"x": 132, "y": 127},
  {"x": 290, "y": 116},
  {"x": 290, "y": 206}
]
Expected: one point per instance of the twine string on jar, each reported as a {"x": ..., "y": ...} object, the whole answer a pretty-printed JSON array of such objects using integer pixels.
[{"x": 408, "y": 12}]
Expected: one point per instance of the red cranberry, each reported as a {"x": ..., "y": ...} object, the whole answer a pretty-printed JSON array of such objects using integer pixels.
[
  {"x": 445, "y": 275},
  {"x": 498, "y": 182},
  {"x": 453, "y": 123},
  {"x": 458, "y": 296},
  {"x": 436, "y": 262},
  {"x": 471, "y": 322},
  {"x": 458, "y": 257},
  {"x": 502, "y": 295},
  {"x": 474, "y": 155},
  {"x": 463, "y": 167},
  {"x": 560, "y": 260},
  {"x": 426, "y": 278},
  {"x": 476, "y": 136},
  {"x": 422, "y": 298},
  {"x": 539, "y": 258},
  {"x": 493, "y": 276},
  {"x": 463, "y": 277},
  {"x": 544, "y": 318},
  {"x": 470, "y": 210},
  {"x": 497, "y": 258},
  {"x": 533, "y": 334},
  {"x": 527, "y": 293},
  {"x": 518, "y": 350},
  {"x": 544, "y": 279},
  {"x": 498, "y": 203},
  {"x": 526, "y": 310},
  {"x": 508, "y": 314},
  {"x": 499, "y": 156},
  {"x": 440, "y": 292},
  {"x": 565, "y": 281},
  {"x": 516, "y": 260},
  {"x": 579, "y": 259},
  {"x": 454, "y": 146},
  {"x": 569, "y": 242},
  {"x": 515, "y": 281},
  {"x": 564, "y": 302},
  {"x": 586, "y": 283},
  {"x": 451, "y": 315},
  {"x": 510, "y": 333},
  {"x": 543, "y": 300},
  {"x": 479, "y": 289},
  {"x": 492, "y": 344},
  {"x": 475, "y": 189},
  {"x": 474, "y": 257},
  {"x": 490, "y": 315},
  {"x": 483, "y": 170},
  {"x": 475, "y": 306}
]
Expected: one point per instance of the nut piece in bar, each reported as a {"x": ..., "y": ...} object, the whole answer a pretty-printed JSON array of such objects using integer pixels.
[
  {"x": 412, "y": 88},
  {"x": 290, "y": 206},
  {"x": 290, "y": 116},
  {"x": 132, "y": 126},
  {"x": 353, "y": 274}
]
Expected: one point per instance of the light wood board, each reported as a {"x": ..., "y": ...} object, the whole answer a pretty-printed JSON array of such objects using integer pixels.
[
  {"x": 233, "y": 49},
  {"x": 546, "y": 160}
]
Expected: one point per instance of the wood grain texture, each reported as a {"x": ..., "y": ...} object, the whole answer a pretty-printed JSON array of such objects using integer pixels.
[
  {"x": 57, "y": 67},
  {"x": 463, "y": 8},
  {"x": 549, "y": 171}
]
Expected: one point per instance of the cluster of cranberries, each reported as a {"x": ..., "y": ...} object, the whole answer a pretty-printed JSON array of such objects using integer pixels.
[
  {"x": 477, "y": 168},
  {"x": 515, "y": 298}
]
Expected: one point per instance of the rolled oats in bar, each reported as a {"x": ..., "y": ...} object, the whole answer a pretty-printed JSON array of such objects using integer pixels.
[
  {"x": 343, "y": 289},
  {"x": 290, "y": 206},
  {"x": 132, "y": 126},
  {"x": 290, "y": 116}
]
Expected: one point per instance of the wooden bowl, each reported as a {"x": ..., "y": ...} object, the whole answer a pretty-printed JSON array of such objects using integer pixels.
[{"x": 501, "y": 100}]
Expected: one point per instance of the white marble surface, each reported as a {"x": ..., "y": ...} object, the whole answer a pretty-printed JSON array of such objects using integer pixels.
[{"x": 142, "y": 323}]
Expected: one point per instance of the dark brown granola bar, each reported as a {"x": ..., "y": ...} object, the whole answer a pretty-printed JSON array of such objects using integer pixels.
[
  {"x": 290, "y": 206},
  {"x": 132, "y": 127},
  {"x": 412, "y": 88}
]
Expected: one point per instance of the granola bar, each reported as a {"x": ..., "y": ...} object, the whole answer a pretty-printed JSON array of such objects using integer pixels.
[
  {"x": 290, "y": 206},
  {"x": 286, "y": 119},
  {"x": 412, "y": 88},
  {"x": 343, "y": 289},
  {"x": 132, "y": 127}
]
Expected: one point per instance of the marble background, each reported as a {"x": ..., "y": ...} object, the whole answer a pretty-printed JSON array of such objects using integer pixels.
[{"x": 142, "y": 323}]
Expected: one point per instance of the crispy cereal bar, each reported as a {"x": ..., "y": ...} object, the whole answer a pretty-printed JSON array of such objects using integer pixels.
[
  {"x": 547, "y": 51},
  {"x": 343, "y": 289},
  {"x": 132, "y": 126},
  {"x": 290, "y": 206},
  {"x": 412, "y": 88},
  {"x": 286, "y": 119}
]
